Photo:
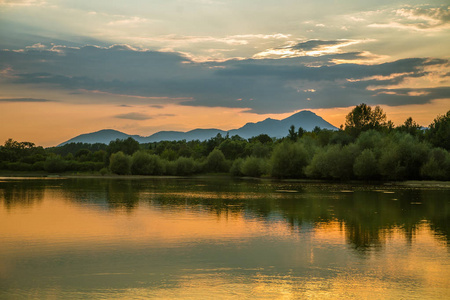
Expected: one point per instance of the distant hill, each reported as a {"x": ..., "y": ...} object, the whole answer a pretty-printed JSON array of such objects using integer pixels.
[{"x": 274, "y": 128}]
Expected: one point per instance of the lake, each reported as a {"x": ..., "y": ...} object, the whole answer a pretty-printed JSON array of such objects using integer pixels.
[{"x": 212, "y": 238}]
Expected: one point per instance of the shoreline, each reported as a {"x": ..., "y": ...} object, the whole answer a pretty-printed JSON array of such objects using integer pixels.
[{"x": 42, "y": 175}]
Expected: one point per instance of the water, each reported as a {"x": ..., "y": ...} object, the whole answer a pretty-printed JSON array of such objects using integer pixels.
[{"x": 221, "y": 239}]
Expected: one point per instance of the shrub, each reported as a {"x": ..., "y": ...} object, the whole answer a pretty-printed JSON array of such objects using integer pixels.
[
  {"x": 437, "y": 166},
  {"x": 334, "y": 162},
  {"x": 19, "y": 166},
  {"x": 366, "y": 166},
  {"x": 55, "y": 164},
  {"x": 236, "y": 167},
  {"x": 369, "y": 139},
  {"x": 38, "y": 166},
  {"x": 170, "y": 167},
  {"x": 142, "y": 163},
  {"x": 254, "y": 166},
  {"x": 439, "y": 132},
  {"x": 402, "y": 157},
  {"x": 289, "y": 160},
  {"x": 185, "y": 166},
  {"x": 120, "y": 163},
  {"x": 104, "y": 171},
  {"x": 216, "y": 162}
]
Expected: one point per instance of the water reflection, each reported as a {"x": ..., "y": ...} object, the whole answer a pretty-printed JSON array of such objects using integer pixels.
[
  {"x": 212, "y": 238},
  {"x": 368, "y": 213},
  {"x": 24, "y": 193}
]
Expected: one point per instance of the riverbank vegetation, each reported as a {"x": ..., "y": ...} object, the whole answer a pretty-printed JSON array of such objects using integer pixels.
[{"x": 368, "y": 147}]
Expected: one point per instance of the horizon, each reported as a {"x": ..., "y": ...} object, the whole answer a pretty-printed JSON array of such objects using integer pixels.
[{"x": 68, "y": 68}]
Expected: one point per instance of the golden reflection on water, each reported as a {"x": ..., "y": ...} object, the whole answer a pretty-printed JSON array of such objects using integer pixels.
[{"x": 58, "y": 248}]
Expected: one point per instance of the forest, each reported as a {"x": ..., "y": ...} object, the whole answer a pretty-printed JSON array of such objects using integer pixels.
[{"x": 367, "y": 147}]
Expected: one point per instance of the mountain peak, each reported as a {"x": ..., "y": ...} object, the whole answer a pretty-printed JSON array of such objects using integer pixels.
[{"x": 274, "y": 128}]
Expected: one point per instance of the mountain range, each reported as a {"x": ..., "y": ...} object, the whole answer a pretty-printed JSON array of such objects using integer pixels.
[{"x": 274, "y": 128}]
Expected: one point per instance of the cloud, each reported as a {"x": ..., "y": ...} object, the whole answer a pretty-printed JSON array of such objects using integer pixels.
[
  {"x": 25, "y": 100},
  {"x": 417, "y": 18},
  {"x": 133, "y": 21},
  {"x": 22, "y": 2},
  {"x": 308, "y": 48},
  {"x": 134, "y": 116},
  {"x": 127, "y": 76}
]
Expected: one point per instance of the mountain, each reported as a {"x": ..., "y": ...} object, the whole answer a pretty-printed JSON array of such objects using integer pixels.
[
  {"x": 274, "y": 128},
  {"x": 103, "y": 136}
]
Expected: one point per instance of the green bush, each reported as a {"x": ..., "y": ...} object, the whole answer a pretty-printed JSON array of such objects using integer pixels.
[
  {"x": 289, "y": 160},
  {"x": 437, "y": 166},
  {"x": 333, "y": 162},
  {"x": 38, "y": 166},
  {"x": 216, "y": 162},
  {"x": 55, "y": 164},
  {"x": 104, "y": 171},
  {"x": 19, "y": 166},
  {"x": 439, "y": 132},
  {"x": 366, "y": 165},
  {"x": 402, "y": 157},
  {"x": 170, "y": 167},
  {"x": 236, "y": 167},
  {"x": 254, "y": 166},
  {"x": 369, "y": 139},
  {"x": 185, "y": 166},
  {"x": 120, "y": 163},
  {"x": 143, "y": 163}
]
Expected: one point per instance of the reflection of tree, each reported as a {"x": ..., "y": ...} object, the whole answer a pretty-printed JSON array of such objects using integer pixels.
[
  {"x": 115, "y": 194},
  {"x": 21, "y": 192},
  {"x": 123, "y": 194},
  {"x": 368, "y": 217}
]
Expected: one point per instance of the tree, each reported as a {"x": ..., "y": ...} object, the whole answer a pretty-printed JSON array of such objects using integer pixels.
[
  {"x": 253, "y": 166},
  {"x": 120, "y": 163},
  {"x": 438, "y": 165},
  {"x": 289, "y": 160},
  {"x": 55, "y": 164},
  {"x": 365, "y": 165},
  {"x": 334, "y": 162},
  {"x": 363, "y": 117},
  {"x": 262, "y": 138},
  {"x": 410, "y": 126},
  {"x": 216, "y": 162},
  {"x": 292, "y": 133},
  {"x": 127, "y": 146},
  {"x": 438, "y": 133}
]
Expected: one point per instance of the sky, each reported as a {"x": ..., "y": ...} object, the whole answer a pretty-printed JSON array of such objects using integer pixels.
[{"x": 142, "y": 66}]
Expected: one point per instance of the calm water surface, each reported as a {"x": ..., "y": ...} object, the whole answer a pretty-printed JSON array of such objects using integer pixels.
[{"x": 221, "y": 239}]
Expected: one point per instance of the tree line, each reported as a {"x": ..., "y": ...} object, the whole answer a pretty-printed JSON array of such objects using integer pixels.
[{"x": 367, "y": 147}]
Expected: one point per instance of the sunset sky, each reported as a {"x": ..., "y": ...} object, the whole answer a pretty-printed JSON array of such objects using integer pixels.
[{"x": 141, "y": 66}]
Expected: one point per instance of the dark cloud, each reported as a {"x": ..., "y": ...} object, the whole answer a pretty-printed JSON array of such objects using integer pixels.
[
  {"x": 314, "y": 44},
  {"x": 134, "y": 116},
  {"x": 166, "y": 115},
  {"x": 261, "y": 85},
  {"x": 25, "y": 100}
]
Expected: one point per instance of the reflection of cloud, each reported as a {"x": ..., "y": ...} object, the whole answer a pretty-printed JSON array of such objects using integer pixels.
[{"x": 134, "y": 116}]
